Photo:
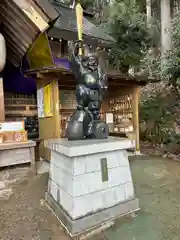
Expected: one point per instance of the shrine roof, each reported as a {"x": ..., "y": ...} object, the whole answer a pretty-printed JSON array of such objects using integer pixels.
[{"x": 65, "y": 27}]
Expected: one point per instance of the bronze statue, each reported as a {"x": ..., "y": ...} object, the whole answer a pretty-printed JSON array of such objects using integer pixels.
[{"x": 85, "y": 122}]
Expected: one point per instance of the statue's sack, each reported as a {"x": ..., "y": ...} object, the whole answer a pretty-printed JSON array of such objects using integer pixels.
[{"x": 2, "y": 52}]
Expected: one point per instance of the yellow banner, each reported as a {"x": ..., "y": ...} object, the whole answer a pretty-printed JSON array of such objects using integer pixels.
[
  {"x": 79, "y": 19},
  {"x": 48, "y": 104}
]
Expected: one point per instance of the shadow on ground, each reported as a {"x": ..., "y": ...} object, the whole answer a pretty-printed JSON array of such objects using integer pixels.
[{"x": 157, "y": 183}]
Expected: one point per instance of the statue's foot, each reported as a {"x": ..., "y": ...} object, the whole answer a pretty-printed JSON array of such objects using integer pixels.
[
  {"x": 78, "y": 125},
  {"x": 100, "y": 130},
  {"x": 74, "y": 130}
]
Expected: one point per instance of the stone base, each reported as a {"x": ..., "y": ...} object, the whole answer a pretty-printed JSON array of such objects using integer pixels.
[
  {"x": 90, "y": 178},
  {"x": 93, "y": 221}
]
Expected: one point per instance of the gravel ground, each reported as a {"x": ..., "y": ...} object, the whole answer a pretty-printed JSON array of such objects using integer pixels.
[{"x": 24, "y": 216}]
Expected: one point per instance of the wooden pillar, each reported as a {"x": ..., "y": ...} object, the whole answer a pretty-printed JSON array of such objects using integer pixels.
[
  {"x": 136, "y": 98},
  {"x": 56, "y": 109},
  {"x": 2, "y": 111},
  {"x": 49, "y": 127}
]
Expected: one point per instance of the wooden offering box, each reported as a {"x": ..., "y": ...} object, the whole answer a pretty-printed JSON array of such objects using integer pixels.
[
  {"x": 16, "y": 136},
  {"x": 14, "y": 146},
  {"x": 12, "y": 132}
]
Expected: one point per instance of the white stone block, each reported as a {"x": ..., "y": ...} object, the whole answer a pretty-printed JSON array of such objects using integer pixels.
[
  {"x": 129, "y": 190},
  {"x": 86, "y": 184},
  {"x": 118, "y": 176},
  {"x": 108, "y": 198},
  {"x": 115, "y": 177},
  {"x": 62, "y": 162},
  {"x": 123, "y": 158},
  {"x": 120, "y": 193},
  {"x": 61, "y": 196},
  {"x": 66, "y": 201},
  {"x": 53, "y": 188},
  {"x": 92, "y": 163},
  {"x": 53, "y": 173},
  {"x": 86, "y": 204},
  {"x": 125, "y": 175},
  {"x": 62, "y": 179},
  {"x": 79, "y": 165},
  {"x": 113, "y": 159}
]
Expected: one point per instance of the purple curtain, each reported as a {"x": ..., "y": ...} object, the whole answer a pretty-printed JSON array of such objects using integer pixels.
[{"x": 14, "y": 81}]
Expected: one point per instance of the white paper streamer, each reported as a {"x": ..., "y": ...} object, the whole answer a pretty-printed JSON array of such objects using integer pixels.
[{"x": 2, "y": 52}]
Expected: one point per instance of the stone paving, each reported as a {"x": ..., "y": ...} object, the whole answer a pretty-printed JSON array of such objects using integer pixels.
[{"x": 157, "y": 182}]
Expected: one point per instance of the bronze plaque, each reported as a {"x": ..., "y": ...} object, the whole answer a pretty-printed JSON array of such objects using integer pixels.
[{"x": 104, "y": 170}]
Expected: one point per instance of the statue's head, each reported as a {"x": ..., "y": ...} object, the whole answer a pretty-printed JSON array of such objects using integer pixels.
[{"x": 91, "y": 62}]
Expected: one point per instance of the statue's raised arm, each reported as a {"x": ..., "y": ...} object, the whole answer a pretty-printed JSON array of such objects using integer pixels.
[{"x": 76, "y": 61}]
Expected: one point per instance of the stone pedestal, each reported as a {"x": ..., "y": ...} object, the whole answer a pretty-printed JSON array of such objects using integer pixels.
[{"x": 90, "y": 182}]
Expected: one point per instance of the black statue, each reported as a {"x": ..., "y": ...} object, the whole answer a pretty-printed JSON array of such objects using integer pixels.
[{"x": 85, "y": 122}]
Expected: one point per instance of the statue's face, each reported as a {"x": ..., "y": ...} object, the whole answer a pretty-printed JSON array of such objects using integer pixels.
[{"x": 92, "y": 63}]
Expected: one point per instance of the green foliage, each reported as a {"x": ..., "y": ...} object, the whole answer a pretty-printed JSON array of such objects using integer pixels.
[
  {"x": 89, "y": 4},
  {"x": 132, "y": 34},
  {"x": 161, "y": 109},
  {"x": 157, "y": 113},
  {"x": 159, "y": 117},
  {"x": 85, "y": 3}
]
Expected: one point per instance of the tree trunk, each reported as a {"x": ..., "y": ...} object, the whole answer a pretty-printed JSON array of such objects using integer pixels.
[
  {"x": 166, "y": 42},
  {"x": 148, "y": 10}
]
